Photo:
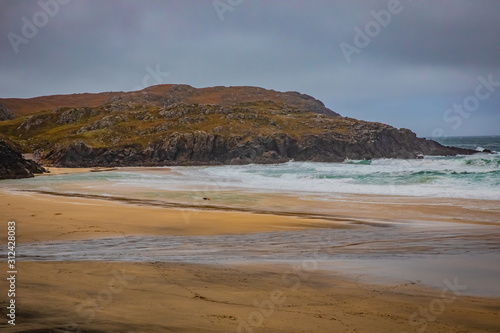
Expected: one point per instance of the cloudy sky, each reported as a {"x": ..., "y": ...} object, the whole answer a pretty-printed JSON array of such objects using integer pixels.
[{"x": 431, "y": 66}]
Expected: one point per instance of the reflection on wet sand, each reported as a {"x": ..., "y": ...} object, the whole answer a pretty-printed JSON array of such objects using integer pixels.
[{"x": 367, "y": 249}]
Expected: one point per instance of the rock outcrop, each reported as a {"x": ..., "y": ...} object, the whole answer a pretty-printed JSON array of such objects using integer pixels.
[
  {"x": 14, "y": 166},
  {"x": 5, "y": 113},
  {"x": 202, "y": 148}
]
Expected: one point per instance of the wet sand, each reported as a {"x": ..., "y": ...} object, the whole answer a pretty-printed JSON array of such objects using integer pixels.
[
  {"x": 299, "y": 296},
  {"x": 41, "y": 217},
  {"x": 166, "y": 297}
]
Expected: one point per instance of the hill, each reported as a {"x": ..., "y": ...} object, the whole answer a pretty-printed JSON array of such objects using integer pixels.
[
  {"x": 164, "y": 94},
  {"x": 182, "y": 125}
]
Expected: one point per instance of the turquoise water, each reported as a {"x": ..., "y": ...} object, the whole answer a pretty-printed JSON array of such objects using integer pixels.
[{"x": 476, "y": 176}]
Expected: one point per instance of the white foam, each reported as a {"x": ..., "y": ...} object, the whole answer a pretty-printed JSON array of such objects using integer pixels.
[{"x": 475, "y": 176}]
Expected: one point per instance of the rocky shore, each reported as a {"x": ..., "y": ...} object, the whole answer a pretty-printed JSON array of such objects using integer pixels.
[
  {"x": 13, "y": 165},
  {"x": 202, "y": 148}
]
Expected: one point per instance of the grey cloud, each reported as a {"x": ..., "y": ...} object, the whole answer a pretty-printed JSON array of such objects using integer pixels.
[{"x": 426, "y": 59}]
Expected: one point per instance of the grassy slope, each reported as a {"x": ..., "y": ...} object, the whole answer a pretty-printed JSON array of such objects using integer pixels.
[{"x": 244, "y": 120}]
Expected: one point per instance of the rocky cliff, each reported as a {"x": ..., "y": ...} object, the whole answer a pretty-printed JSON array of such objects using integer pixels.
[
  {"x": 182, "y": 125},
  {"x": 202, "y": 148},
  {"x": 13, "y": 165}
]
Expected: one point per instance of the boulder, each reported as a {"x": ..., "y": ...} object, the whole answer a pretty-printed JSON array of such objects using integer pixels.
[{"x": 14, "y": 166}]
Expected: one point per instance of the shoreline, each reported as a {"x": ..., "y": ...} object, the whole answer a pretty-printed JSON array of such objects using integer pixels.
[
  {"x": 267, "y": 213},
  {"x": 176, "y": 171},
  {"x": 377, "y": 210},
  {"x": 43, "y": 217},
  {"x": 214, "y": 208}
]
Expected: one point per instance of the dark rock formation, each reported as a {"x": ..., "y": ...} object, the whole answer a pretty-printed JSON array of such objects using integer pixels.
[
  {"x": 13, "y": 165},
  {"x": 5, "y": 113},
  {"x": 202, "y": 148}
]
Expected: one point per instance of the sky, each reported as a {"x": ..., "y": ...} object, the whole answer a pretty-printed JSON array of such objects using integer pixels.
[{"x": 432, "y": 66}]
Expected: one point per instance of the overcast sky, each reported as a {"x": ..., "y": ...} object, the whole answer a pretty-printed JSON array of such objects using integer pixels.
[{"x": 422, "y": 65}]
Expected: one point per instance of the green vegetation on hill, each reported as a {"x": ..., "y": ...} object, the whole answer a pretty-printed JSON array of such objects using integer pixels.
[
  {"x": 121, "y": 125},
  {"x": 182, "y": 125}
]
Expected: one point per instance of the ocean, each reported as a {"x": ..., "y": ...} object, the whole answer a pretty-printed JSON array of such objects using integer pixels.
[
  {"x": 468, "y": 177},
  {"x": 479, "y": 143}
]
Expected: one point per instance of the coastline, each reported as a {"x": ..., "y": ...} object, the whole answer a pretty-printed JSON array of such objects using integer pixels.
[
  {"x": 183, "y": 296},
  {"x": 66, "y": 216}
]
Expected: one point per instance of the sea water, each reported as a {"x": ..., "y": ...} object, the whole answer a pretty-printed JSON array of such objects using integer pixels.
[
  {"x": 472, "y": 177},
  {"x": 478, "y": 143}
]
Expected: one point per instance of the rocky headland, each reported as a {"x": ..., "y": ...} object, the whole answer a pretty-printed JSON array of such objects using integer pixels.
[{"x": 182, "y": 125}]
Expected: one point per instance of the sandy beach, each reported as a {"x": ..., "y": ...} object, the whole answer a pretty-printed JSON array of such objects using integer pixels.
[
  {"x": 163, "y": 297},
  {"x": 303, "y": 295}
]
